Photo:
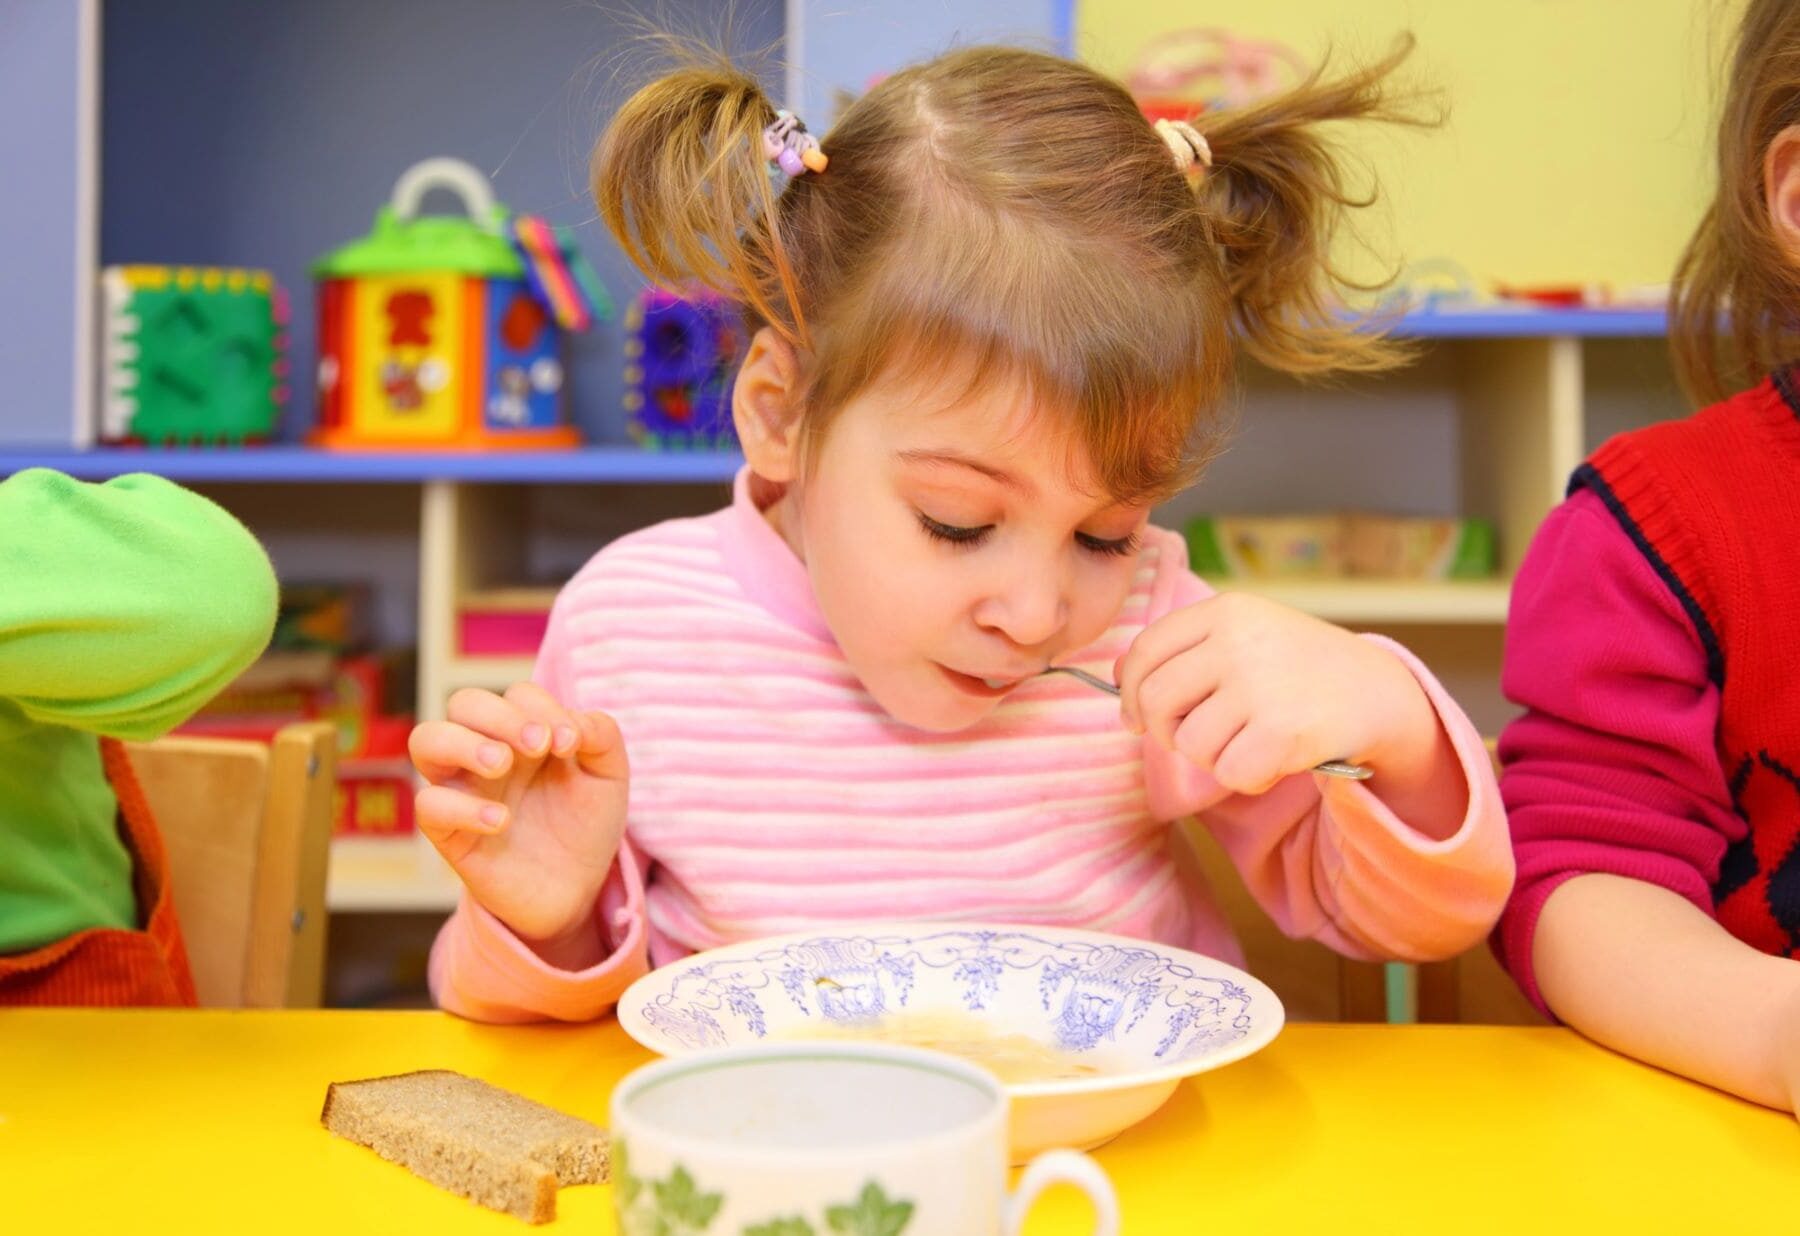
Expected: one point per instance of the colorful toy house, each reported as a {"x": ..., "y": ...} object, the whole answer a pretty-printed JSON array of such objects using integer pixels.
[
  {"x": 191, "y": 355},
  {"x": 446, "y": 332},
  {"x": 679, "y": 357}
]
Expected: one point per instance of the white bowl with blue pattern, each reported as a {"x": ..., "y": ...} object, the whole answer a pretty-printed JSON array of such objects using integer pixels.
[{"x": 1144, "y": 1015}]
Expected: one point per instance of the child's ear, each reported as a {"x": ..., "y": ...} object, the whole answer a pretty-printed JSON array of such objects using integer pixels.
[
  {"x": 1781, "y": 190},
  {"x": 765, "y": 408}
]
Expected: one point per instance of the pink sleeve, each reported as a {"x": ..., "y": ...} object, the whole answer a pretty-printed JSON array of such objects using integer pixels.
[
  {"x": 1327, "y": 858},
  {"x": 1613, "y": 767},
  {"x": 481, "y": 970}
]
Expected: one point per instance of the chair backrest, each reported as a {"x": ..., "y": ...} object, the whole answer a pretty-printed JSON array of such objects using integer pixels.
[
  {"x": 247, "y": 829},
  {"x": 1315, "y": 983}
]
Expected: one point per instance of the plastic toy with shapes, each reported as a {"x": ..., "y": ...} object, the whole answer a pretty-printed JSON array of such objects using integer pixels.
[
  {"x": 191, "y": 355},
  {"x": 679, "y": 353},
  {"x": 430, "y": 332}
]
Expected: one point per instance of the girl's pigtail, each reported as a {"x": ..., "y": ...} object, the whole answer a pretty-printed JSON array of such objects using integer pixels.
[
  {"x": 1275, "y": 197},
  {"x": 682, "y": 181}
]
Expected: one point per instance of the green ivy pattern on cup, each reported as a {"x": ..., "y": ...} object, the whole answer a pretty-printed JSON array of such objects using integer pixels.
[
  {"x": 677, "y": 1207},
  {"x": 872, "y": 1214},
  {"x": 795, "y": 1226},
  {"x": 672, "y": 1207}
]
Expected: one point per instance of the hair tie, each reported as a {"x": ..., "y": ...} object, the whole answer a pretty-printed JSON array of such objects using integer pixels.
[
  {"x": 788, "y": 145},
  {"x": 1186, "y": 143}
]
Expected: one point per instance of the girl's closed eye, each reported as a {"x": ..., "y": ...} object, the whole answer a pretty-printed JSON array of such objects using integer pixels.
[
  {"x": 966, "y": 537},
  {"x": 954, "y": 534},
  {"x": 1119, "y": 547}
]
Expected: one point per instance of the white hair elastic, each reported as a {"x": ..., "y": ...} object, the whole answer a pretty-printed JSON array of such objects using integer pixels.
[{"x": 1185, "y": 142}]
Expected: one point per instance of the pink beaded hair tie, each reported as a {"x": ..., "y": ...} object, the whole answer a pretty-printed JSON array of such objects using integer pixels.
[{"x": 788, "y": 145}]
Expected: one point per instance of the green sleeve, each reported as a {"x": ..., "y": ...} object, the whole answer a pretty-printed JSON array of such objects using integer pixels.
[{"x": 125, "y": 606}]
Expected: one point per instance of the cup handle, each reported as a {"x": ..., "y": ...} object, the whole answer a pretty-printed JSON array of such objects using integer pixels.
[{"x": 1057, "y": 1166}]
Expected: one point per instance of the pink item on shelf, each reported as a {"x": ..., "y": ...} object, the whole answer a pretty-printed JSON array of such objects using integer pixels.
[{"x": 504, "y": 622}]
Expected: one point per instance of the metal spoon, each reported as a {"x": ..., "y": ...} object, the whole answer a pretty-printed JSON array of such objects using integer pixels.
[{"x": 1331, "y": 768}]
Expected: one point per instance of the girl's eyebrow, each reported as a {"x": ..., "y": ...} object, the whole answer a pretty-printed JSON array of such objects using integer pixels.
[{"x": 956, "y": 459}]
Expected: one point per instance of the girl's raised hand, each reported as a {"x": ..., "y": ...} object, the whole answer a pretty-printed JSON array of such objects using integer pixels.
[{"x": 526, "y": 800}]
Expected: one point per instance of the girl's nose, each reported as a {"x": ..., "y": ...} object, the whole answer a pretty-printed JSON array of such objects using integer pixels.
[{"x": 1030, "y": 611}]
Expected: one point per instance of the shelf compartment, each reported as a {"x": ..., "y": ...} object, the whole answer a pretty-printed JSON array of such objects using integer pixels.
[{"x": 1382, "y": 602}]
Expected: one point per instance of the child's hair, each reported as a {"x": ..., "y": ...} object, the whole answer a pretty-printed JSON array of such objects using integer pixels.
[
  {"x": 1734, "y": 268},
  {"x": 1016, "y": 211}
]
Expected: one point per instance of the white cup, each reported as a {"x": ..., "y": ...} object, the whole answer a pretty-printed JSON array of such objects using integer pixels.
[{"x": 816, "y": 1139}]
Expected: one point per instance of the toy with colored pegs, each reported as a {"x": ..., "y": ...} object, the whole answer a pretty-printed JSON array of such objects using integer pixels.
[{"x": 191, "y": 355}]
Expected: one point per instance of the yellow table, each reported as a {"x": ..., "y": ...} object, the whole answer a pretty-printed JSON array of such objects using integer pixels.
[{"x": 154, "y": 1122}]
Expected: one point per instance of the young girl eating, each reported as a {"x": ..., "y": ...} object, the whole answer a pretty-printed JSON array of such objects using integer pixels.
[{"x": 994, "y": 313}]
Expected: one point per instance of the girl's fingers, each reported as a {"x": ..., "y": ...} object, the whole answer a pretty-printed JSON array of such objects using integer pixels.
[
  {"x": 443, "y": 750},
  {"x": 1205, "y": 732},
  {"x": 601, "y": 752},
  {"x": 1166, "y": 638},
  {"x": 552, "y": 729},
  {"x": 1182, "y": 683},
  {"x": 442, "y": 812},
  {"x": 1253, "y": 761},
  {"x": 499, "y": 719}
]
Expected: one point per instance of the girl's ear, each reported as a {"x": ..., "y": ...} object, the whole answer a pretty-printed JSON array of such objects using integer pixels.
[
  {"x": 765, "y": 408},
  {"x": 1781, "y": 190}
]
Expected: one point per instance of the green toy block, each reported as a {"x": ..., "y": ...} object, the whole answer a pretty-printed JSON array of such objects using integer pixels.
[{"x": 191, "y": 355}]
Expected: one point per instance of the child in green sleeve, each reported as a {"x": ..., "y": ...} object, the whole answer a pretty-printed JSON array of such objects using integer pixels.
[{"x": 124, "y": 607}]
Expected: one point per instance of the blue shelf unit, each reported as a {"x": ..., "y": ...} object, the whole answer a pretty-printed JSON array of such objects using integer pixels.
[
  {"x": 628, "y": 465},
  {"x": 1525, "y": 322},
  {"x": 613, "y": 465}
]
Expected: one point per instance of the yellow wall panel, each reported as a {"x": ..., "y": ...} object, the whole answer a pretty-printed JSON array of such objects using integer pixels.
[{"x": 1578, "y": 147}]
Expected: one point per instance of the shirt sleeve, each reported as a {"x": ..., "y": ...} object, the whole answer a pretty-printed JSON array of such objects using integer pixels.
[
  {"x": 124, "y": 606},
  {"x": 1329, "y": 860},
  {"x": 481, "y": 970},
  {"x": 1613, "y": 766}
]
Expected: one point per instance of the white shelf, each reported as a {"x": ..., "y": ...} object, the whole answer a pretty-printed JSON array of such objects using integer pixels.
[
  {"x": 494, "y": 673},
  {"x": 383, "y": 874},
  {"x": 1374, "y": 601}
]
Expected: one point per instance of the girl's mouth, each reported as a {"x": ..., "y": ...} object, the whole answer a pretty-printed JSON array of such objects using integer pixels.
[{"x": 979, "y": 685}]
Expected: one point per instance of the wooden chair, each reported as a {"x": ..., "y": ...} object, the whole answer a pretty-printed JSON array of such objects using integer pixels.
[
  {"x": 1314, "y": 982},
  {"x": 247, "y": 828}
]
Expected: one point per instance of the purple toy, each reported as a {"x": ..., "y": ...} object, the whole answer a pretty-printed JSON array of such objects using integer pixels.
[{"x": 680, "y": 354}]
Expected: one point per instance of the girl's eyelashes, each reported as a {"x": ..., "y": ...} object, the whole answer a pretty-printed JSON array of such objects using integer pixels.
[
  {"x": 951, "y": 534},
  {"x": 1123, "y": 547},
  {"x": 965, "y": 538}
]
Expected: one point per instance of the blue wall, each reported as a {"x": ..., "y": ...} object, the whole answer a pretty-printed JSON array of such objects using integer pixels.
[
  {"x": 265, "y": 134},
  {"x": 38, "y": 151},
  {"x": 847, "y": 42}
]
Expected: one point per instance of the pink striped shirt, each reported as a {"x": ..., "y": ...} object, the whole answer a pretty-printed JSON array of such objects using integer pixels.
[{"x": 769, "y": 792}]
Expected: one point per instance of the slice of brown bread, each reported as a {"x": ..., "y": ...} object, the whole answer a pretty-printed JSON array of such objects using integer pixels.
[{"x": 487, "y": 1144}]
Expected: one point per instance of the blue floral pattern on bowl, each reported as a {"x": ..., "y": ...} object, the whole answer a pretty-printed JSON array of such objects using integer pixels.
[{"x": 1077, "y": 990}]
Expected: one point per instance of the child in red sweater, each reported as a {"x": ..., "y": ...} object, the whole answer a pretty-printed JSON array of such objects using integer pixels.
[{"x": 1653, "y": 783}]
